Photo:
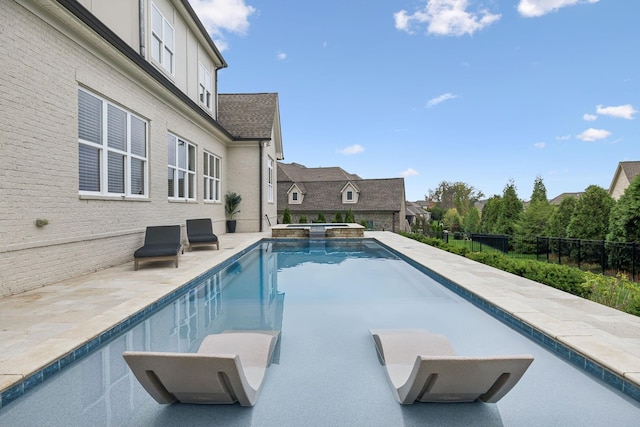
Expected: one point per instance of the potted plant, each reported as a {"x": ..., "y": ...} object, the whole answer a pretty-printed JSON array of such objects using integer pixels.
[{"x": 232, "y": 202}]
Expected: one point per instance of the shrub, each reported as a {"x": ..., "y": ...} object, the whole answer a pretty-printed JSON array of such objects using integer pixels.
[
  {"x": 321, "y": 218},
  {"x": 286, "y": 216},
  {"x": 563, "y": 277},
  {"x": 338, "y": 217},
  {"x": 617, "y": 292},
  {"x": 302, "y": 220},
  {"x": 349, "y": 218}
]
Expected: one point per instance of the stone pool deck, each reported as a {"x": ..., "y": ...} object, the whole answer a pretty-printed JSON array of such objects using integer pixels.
[{"x": 41, "y": 326}]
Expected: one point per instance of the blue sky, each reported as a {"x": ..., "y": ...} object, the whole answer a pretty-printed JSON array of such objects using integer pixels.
[{"x": 478, "y": 91}]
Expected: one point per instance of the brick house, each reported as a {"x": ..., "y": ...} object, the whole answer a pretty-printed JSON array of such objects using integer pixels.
[
  {"x": 111, "y": 122},
  {"x": 307, "y": 192}
]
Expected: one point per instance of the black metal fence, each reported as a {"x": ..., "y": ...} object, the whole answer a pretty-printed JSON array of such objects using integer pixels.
[{"x": 597, "y": 256}]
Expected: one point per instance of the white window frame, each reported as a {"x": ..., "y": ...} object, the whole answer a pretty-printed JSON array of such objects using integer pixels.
[
  {"x": 205, "y": 85},
  {"x": 163, "y": 40},
  {"x": 181, "y": 170},
  {"x": 270, "y": 180},
  {"x": 104, "y": 151},
  {"x": 212, "y": 183}
]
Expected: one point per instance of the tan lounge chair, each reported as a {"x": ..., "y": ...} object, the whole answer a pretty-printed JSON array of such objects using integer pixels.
[
  {"x": 423, "y": 367},
  {"x": 228, "y": 368}
]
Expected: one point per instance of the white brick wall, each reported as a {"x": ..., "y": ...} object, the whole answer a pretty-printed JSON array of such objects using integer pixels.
[{"x": 42, "y": 69}]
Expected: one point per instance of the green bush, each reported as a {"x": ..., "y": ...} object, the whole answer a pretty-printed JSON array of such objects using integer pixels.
[
  {"x": 321, "y": 219},
  {"x": 302, "y": 220},
  {"x": 617, "y": 292},
  {"x": 338, "y": 219},
  {"x": 563, "y": 277},
  {"x": 286, "y": 216},
  {"x": 349, "y": 218}
]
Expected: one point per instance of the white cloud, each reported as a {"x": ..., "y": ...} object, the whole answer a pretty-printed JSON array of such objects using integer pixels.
[
  {"x": 592, "y": 134},
  {"x": 352, "y": 149},
  {"x": 623, "y": 111},
  {"x": 540, "y": 145},
  {"x": 589, "y": 117},
  {"x": 446, "y": 18},
  {"x": 223, "y": 15},
  {"x": 281, "y": 56},
  {"x": 563, "y": 137},
  {"x": 535, "y": 8},
  {"x": 409, "y": 172},
  {"x": 440, "y": 99}
]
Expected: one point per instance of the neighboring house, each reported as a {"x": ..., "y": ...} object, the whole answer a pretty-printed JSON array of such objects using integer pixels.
[
  {"x": 111, "y": 122},
  {"x": 417, "y": 210},
  {"x": 624, "y": 175},
  {"x": 307, "y": 192}
]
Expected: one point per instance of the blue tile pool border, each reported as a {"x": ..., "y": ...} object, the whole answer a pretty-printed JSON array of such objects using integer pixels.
[
  {"x": 19, "y": 389},
  {"x": 566, "y": 353},
  {"x": 561, "y": 350}
]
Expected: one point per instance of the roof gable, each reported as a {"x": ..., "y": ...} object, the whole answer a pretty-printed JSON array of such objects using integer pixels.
[{"x": 248, "y": 115}]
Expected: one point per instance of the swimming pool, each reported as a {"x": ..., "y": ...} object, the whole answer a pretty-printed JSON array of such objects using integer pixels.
[{"x": 326, "y": 372}]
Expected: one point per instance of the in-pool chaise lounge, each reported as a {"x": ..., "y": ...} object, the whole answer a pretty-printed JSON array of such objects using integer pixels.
[
  {"x": 200, "y": 233},
  {"x": 423, "y": 367},
  {"x": 228, "y": 368},
  {"x": 161, "y": 243}
]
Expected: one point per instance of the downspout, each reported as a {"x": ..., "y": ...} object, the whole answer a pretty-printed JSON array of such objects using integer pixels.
[
  {"x": 260, "y": 184},
  {"x": 141, "y": 23}
]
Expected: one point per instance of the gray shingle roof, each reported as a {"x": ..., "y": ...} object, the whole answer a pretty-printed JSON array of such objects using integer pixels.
[
  {"x": 294, "y": 172},
  {"x": 248, "y": 115},
  {"x": 630, "y": 169},
  {"x": 325, "y": 196}
]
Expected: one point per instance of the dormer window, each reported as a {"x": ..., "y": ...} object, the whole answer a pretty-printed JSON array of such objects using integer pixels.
[
  {"x": 295, "y": 195},
  {"x": 350, "y": 193}
]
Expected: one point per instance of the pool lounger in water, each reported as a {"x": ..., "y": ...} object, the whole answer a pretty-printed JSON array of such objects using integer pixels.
[
  {"x": 228, "y": 368},
  {"x": 423, "y": 367}
]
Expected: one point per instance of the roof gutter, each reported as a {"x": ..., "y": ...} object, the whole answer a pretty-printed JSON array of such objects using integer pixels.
[{"x": 112, "y": 38}]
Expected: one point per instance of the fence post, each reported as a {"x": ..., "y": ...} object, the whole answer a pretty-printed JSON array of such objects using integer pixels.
[
  {"x": 559, "y": 250},
  {"x": 633, "y": 261},
  {"x": 547, "y": 249}
]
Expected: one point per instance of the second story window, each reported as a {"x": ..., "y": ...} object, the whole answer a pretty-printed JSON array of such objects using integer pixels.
[
  {"x": 112, "y": 149},
  {"x": 204, "y": 87},
  {"x": 350, "y": 196},
  {"x": 211, "y": 174},
  {"x": 162, "y": 40},
  {"x": 181, "y": 177},
  {"x": 294, "y": 196},
  {"x": 270, "y": 180}
]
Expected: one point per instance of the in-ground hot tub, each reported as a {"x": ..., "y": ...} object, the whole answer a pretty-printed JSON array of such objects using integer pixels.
[{"x": 318, "y": 230}]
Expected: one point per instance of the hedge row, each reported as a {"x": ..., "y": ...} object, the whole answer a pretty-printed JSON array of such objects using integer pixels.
[{"x": 617, "y": 292}]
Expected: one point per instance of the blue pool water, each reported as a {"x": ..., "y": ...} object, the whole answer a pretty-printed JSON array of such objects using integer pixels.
[{"x": 324, "y": 296}]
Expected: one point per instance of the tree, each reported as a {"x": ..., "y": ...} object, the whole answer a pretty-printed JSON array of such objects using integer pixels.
[
  {"x": 321, "y": 219},
  {"x": 510, "y": 211},
  {"x": 624, "y": 221},
  {"x": 437, "y": 213},
  {"x": 286, "y": 216},
  {"x": 471, "y": 221},
  {"x": 456, "y": 195},
  {"x": 559, "y": 220},
  {"x": 490, "y": 213},
  {"x": 338, "y": 217},
  {"x": 349, "y": 218},
  {"x": 590, "y": 217},
  {"x": 534, "y": 219},
  {"x": 452, "y": 220}
]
